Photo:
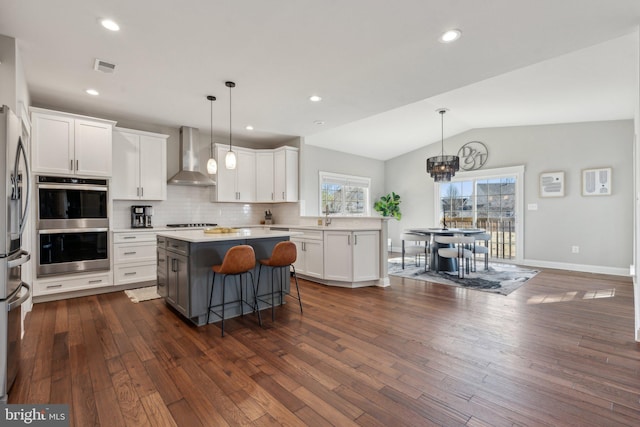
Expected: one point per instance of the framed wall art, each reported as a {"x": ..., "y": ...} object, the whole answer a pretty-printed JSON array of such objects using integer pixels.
[
  {"x": 596, "y": 182},
  {"x": 552, "y": 184}
]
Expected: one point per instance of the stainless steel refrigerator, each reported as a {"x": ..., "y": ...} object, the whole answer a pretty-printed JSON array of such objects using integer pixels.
[{"x": 14, "y": 206}]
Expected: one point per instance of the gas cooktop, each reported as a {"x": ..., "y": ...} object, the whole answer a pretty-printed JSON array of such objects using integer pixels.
[{"x": 192, "y": 225}]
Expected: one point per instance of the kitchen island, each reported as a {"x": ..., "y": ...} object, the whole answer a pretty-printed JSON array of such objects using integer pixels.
[{"x": 184, "y": 269}]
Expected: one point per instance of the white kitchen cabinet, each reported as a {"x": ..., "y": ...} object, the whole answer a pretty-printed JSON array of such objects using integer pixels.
[
  {"x": 140, "y": 165},
  {"x": 310, "y": 254},
  {"x": 277, "y": 175},
  {"x": 351, "y": 256},
  {"x": 239, "y": 184},
  {"x": 71, "y": 282},
  {"x": 264, "y": 176},
  {"x": 134, "y": 257},
  {"x": 285, "y": 180},
  {"x": 69, "y": 144}
]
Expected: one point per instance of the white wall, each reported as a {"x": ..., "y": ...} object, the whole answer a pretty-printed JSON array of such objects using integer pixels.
[
  {"x": 8, "y": 53},
  {"x": 636, "y": 195},
  {"x": 599, "y": 225},
  {"x": 315, "y": 159}
]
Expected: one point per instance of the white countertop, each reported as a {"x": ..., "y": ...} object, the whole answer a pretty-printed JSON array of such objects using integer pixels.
[
  {"x": 199, "y": 236},
  {"x": 327, "y": 227}
]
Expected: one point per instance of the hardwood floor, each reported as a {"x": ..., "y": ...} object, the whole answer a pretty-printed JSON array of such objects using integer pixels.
[{"x": 558, "y": 351}]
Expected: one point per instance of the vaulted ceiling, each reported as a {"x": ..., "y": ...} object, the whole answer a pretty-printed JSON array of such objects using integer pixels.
[{"x": 378, "y": 65}]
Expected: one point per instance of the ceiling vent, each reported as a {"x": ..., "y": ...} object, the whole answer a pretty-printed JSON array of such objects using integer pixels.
[{"x": 104, "y": 66}]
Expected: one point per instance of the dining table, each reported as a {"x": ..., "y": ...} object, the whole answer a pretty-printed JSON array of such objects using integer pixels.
[{"x": 444, "y": 264}]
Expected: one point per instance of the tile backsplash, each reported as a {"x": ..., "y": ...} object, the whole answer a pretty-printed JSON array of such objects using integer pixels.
[{"x": 186, "y": 204}]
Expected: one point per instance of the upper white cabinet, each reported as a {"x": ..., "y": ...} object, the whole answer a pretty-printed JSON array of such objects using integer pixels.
[
  {"x": 277, "y": 175},
  {"x": 285, "y": 182},
  {"x": 139, "y": 165},
  {"x": 69, "y": 144},
  {"x": 239, "y": 184},
  {"x": 264, "y": 176}
]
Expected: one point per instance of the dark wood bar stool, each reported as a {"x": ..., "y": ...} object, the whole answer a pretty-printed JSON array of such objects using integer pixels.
[
  {"x": 283, "y": 256},
  {"x": 237, "y": 261}
]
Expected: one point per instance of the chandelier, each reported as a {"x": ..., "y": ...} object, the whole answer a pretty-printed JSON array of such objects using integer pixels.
[{"x": 442, "y": 168}]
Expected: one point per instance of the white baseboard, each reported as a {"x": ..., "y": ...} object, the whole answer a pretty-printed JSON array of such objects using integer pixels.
[{"x": 614, "y": 271}]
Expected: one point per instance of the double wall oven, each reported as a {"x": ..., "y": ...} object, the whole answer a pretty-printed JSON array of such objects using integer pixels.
[{"x": 72, "y": 225}]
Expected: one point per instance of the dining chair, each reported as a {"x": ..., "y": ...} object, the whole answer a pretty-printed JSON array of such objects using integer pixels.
[
  {"x": 238, "y": 260},
  {"x": 419, "y": 245},
  {"x": 481, "y": 249},
  {"x": 457, "y": 247}
]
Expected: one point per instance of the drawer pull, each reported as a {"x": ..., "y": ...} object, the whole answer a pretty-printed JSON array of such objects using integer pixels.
[
  {"x": 133, "y": 273},
  {"x": 95, "y": 281},
  {"x": 129, "y": 237},
  {"x": 131, "y": 253},
  {"x": 53, "y": 286}
]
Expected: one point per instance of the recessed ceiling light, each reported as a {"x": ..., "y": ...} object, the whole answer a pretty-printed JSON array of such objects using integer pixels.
[
  {"x": 110, "y": 25},
  {"x": 315, "y": 98},
  {"x": 450, "y": 36},
  {"x": 319, "y": 122},
  {"x": 92, "y": 92},
  {"x": 249, "y": 127}
]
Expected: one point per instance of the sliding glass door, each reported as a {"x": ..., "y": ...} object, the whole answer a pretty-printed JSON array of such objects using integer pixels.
[{"x": 490, "y": 199}]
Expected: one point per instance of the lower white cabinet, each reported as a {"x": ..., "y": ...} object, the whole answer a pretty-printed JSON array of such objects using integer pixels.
[
  {"x": 310, "y": 256},
  {"x": 134, "y": 257},
  {"x": 71, "y": 282},
  {"x": 351, "y": 256}
]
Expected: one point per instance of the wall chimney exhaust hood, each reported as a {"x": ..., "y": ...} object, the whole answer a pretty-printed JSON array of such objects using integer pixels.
[{"x": 189, "y": 173}]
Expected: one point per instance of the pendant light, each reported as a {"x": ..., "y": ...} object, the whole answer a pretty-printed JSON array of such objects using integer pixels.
[
  {"x": 212, "y": 165},
  {"x": 442, "y": 168},
  {"x": 230, "y": 159}
]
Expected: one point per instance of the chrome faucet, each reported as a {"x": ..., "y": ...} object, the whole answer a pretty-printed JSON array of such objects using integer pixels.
[{"x": 327, "y": 220}]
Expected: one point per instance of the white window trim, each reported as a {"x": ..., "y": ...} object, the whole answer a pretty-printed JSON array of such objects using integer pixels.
[
  {"x": 363, "y": 180},
  {"x": 518, "y": 171}
]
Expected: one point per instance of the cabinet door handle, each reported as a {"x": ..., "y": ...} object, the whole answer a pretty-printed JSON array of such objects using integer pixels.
[
  {"x": 129, "y": 237},
  {"x": 77, "y": 165},
  {"x": 71, "y": 164},
  {"x": 283, "y": 195},
  {"x": 53, "y": 286},
  {"x": 95, "y": 281},
  {"x": 272, "y": 198},
  {"x": 161, "y": 260},
  {"x": 141, "y": 191},
  {"x": 355, "y": 239},
  {"x": 132, "y": 273},
  {"x": 348, "y": 240},
  {"x": 131, "y": 253}
]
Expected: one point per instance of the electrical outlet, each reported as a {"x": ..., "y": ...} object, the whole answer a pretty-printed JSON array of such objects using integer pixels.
[{"x": 575, "y": 249}]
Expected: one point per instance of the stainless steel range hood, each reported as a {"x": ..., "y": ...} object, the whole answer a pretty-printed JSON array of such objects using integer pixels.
[{"x": 189, "y": 173}]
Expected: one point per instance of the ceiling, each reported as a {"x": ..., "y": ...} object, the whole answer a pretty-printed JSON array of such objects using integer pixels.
[{"x": 377, "y": 64}]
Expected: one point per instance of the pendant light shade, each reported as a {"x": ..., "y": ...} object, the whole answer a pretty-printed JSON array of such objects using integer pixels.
[
  {"x": 212, "y": 165},
  {"x": 442, "y": 168},
  {"x": 230, "y": 159}
]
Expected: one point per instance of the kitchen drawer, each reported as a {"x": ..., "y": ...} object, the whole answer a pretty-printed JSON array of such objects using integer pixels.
[
  {"x": 71, "y": 283},
  {"x": 134, "y": 252},
  {"x": 308, "y": 234},
  {"x": 124, "y": 274},
  {"x": 130, "y": 237},
  {"x": 178, "y": 246}
]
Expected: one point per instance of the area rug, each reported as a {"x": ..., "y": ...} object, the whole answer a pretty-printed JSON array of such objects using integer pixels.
[
  {"x": 499, "y": 279},
  {"x": 142, "y": 294}
]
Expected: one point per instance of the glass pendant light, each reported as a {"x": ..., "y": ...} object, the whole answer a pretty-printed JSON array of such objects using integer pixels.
[
  {"x": 212, "y": 165},
  {"x": 442, "y": 168},
  {"x": 230, "y": 159}
]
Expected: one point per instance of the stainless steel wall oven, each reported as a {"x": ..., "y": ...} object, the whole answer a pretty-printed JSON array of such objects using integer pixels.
[{"x": 72, "y": 224}]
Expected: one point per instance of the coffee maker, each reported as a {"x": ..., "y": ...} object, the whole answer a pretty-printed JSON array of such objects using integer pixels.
[{"x": 141, "y": 216}]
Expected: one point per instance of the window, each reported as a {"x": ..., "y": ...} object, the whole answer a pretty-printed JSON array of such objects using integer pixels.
[
  {"x": 344, "y": 195},
  {"x": 490, "y": 199}
]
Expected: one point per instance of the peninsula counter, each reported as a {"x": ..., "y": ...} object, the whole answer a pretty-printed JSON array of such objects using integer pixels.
[{"x": 184, "y": 269}]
